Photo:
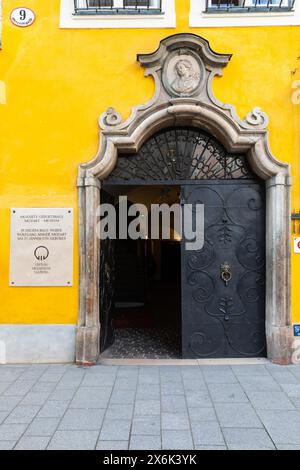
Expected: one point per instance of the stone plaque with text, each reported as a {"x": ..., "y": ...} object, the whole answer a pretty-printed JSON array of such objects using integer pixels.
[{"x": 41, "y": 247}]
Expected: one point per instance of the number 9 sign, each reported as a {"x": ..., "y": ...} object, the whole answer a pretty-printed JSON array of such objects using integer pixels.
[{"x": 22, "y": 17}]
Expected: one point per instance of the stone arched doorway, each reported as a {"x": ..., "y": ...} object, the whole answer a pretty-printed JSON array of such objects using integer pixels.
[{"x": 184, "y": 98}]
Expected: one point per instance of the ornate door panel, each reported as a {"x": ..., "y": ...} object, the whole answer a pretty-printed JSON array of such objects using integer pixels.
[
  {"x": 223, "y": 284},
  {"x": 107, "y": 285}
]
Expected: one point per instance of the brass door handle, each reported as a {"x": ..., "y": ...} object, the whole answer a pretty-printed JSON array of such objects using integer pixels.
[{"x": 226, "y": 274}]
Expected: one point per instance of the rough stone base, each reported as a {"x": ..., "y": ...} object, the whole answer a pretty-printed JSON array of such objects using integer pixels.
[
  {"x": 280, "y": 341},
  {"x": 87, "y": 346}
]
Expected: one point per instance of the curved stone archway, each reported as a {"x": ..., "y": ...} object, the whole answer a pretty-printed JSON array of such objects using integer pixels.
[{"x": 186, "y": 98}]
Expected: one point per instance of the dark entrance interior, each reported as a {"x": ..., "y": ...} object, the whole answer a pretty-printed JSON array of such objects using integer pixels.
[
  {"x": 146, "y": 290},
  {"x": 158, "y": 298}
]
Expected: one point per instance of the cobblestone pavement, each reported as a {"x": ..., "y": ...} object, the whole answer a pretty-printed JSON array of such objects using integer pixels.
[{"x": 150, "y": 407}]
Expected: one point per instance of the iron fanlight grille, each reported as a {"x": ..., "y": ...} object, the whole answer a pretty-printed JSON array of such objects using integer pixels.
[
  {"x": 181, "y": 154},
  {"x": 102, "y": 7},
  {"x": 249, "y": 6}
]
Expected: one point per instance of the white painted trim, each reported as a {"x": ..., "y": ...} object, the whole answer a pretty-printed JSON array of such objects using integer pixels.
[
  {"x": 200, "y": 19},
  {"x": 37, "y": 343},
  {"x": 166, "y": 20}
]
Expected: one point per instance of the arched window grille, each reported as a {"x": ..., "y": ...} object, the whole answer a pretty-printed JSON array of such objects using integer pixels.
[{"x": 180, "y": 154}]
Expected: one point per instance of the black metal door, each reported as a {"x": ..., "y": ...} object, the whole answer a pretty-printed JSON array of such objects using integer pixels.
[
  {"x": 107, "y": 285},
  {"x": 223, "y": 284}
]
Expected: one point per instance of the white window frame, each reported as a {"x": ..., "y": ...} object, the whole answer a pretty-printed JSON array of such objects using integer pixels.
[
  {"x": 199, "y": 18},
  {"x": 167, "y": 19}
]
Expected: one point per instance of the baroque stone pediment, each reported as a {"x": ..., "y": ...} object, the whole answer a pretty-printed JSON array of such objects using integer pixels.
[{"x": 183, "y": 68}]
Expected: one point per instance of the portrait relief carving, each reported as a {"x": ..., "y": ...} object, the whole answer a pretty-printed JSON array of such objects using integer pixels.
[
  {"x": 187, "y": 78},
  {"x": 183, "y": 75}
]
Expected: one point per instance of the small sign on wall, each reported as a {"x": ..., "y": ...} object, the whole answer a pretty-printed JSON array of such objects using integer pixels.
[
  {"x": 297, "y": 245},
  {"x": 22, "y": 17},
  {"x": 41, "y": 247}
]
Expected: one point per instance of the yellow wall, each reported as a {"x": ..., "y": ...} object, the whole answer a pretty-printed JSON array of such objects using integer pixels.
[{"x": 58, "y": 81}]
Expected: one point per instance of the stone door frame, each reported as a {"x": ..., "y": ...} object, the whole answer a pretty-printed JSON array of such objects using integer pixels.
[{"x": 194, "y": 106}]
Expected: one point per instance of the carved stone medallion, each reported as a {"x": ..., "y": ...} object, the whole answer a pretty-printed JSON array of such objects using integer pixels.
[{"x": 183, "y": 74}]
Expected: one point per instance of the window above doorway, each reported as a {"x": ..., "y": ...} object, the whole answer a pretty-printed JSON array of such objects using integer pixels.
[
  {"x": 117, "y": 14},
  {"x": 212, "y": 13}
]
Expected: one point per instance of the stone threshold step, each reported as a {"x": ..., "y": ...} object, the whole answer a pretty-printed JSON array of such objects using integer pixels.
[{"x": 183, "y": 362}]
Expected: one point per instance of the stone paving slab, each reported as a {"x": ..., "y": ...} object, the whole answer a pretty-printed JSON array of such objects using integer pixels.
[
  {"x": 283, "y": 426},
  {"x": 237, "y": 415},
  {"x": 270, "y": 401},
  {"x": 116, "y": 411},
  {"x": 254, "y": 439},
  {"x": 115, "y": 430},
  {"x": 177, "y": 440},
  {"x": 3, "y": 416},
  {"x": 10, "y": 432},
  {"x": 227, "y": 393},
  {"x": 147, "y": 407},
  {"x": 145, "y": 442},
  {"x": 176, "y": 421},
  {"x": 213, "y": 448},
  {"x": 73, "y": 440},
  {"x": 122, "y": 397},
  {"x": 32, "y": 443},
  {"x": 144, "y": 392},
  {"x": 22, "y": 414},
  {"x": 259, "y": 383},
  {"x": 91, "y": 397},
  {"x": 184, "y": 406},
  {"x": 53, "y": 409},
  {"x": 202, "y": 414},
  {"x": 35, "y": 398},
  {"x": 42, "y": 427},
  {"x": 198, "y": 398},
  {"x": 112, "y": 445},
  {"x": 146, "y": 426},
  {"x": 207, "y": 433},
  {"x": 83, "y": 420},
  {"x": 8, "y": 403},
  {"x": 4, "y": 386},
  {"x": 7, "y": 445}
]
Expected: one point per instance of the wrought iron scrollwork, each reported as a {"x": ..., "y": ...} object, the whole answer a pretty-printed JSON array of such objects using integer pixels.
[
  {"x": 224, "y": 282},
  {"x": 181, "y": 154}
]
